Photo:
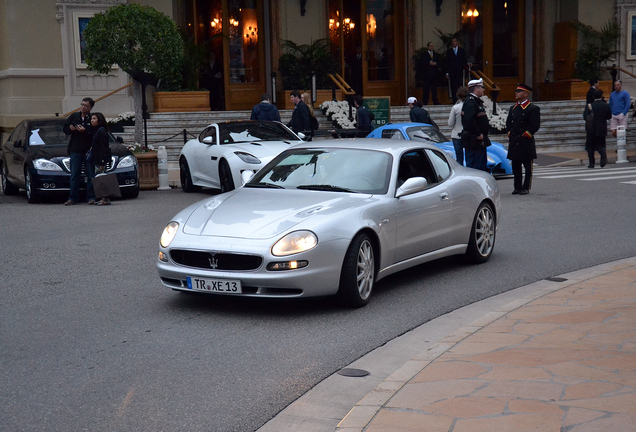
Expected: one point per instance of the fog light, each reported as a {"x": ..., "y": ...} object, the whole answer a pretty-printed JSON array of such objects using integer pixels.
[
  {"x": 163, "y": 257},
  {"x": 52, "y": 185},
  {"x": 287, "y": 265}
]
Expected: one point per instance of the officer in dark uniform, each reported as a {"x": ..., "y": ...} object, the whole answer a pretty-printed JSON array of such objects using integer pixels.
[
  {"x": 476, "y": 127},
  {"x": 524, "y": 120}
]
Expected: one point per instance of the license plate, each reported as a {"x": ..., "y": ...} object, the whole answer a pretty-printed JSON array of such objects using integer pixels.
[{"x": 229, "y": 286}]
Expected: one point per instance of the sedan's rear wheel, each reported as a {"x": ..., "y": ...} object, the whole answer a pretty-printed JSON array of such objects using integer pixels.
[
  {"x": 358, "y": 272},
  {"x": 8, "y": 188},
  {"x": 482, "y": 235},
  {"x": 33, "y": 196},
  {"x": 225, "y": 177},
  {"x": 186, "y": 177}
]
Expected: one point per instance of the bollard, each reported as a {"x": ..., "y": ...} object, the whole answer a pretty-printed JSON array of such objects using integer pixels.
[
  {"x": 621, "y": 145},
  {"x": 162, "y": 159}
]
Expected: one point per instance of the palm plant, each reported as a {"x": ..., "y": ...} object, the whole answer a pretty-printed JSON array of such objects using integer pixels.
[
  {"x": 598, "y": 48},
  {"x": 300, "y": 60}
]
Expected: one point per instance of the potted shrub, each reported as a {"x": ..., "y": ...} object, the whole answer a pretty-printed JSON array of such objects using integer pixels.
[
  {"x": 598, "y": 48},
  {"x": 297, "y": 64}
]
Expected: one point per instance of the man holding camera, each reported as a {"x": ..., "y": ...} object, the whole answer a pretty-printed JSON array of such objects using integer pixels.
[{"x": 78, "y": 126}]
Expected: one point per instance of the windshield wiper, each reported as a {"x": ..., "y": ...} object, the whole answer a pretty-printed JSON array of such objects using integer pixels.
[
  {"x": 263, "y": 185},
  {"x": 324, "y": 187}
]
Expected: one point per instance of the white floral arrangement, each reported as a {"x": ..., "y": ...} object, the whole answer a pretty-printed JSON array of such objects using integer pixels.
[
  {"x": 125, "y": 116},
  {"x": 338, "y": 111},
  {"x": 498, "y": 120},
  {"x": 139, "y": 148}
]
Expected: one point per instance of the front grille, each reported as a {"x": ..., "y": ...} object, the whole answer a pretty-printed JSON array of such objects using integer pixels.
[
  {"x": 216, "y": 261},
  {"x": 67, "y": 164}
]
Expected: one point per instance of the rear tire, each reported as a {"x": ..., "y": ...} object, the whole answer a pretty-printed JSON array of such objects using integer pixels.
[
  {"x": 8, "y": 188},
  {"x": 358, "y": 273},
  {"x": 482, "y": 235},
  {"x": 225, "y": 177},
  {"x": 33, "y": 196},
  {"x": 186, "y": 177}
]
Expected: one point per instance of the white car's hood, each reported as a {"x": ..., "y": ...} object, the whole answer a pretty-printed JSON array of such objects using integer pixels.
[
  {"x": 263, "y": 149},
  {"x": 263, "y": 213}
]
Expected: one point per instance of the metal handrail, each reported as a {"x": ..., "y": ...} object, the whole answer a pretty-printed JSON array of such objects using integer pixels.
[
  {"x": 101, "y": 98},
  {"x": 616, "y": 68},
  {"x": 341, "y": 84},
  {"x": 489, "y": 84}
]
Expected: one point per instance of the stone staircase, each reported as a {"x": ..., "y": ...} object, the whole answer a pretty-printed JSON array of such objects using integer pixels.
[{"x": 562, "y": 126}]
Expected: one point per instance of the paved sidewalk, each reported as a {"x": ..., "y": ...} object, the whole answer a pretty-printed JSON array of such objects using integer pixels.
[{"x": 557, "y": 359}]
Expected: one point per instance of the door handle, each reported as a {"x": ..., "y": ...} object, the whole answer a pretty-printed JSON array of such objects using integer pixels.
[{"x": 444, "y": 196}]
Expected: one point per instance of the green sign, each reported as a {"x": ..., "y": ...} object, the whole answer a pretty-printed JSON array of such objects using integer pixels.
[{"x": 381, "y": 109}]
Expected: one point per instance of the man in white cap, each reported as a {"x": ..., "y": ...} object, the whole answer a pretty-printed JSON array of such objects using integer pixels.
[
  {"x": 418, "y": 114},
  {"x": 476, "y": 127}
]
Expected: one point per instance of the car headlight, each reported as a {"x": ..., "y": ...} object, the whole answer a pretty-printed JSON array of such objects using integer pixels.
[
  {"x": 295, "y": 242},
  {"x": 46, "y": 165},
  {"x": 126, "y": 162},
  {"x": 168, "y": 234},
  {"x": 248, "y": 158}
]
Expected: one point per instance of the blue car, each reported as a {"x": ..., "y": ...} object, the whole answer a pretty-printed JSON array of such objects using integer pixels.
[{"x": 498, "y": 163}]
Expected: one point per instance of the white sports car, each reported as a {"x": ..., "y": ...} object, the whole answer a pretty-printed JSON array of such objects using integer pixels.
[
  {"x": 332, "y": 217},
  {"x": 226, "y": 154}
]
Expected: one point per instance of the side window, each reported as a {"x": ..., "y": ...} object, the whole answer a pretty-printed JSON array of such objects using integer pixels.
[
  {"x": 440, "y": 164},
  {"x": 18, "y": 133},
  {"x": 416, "y": 164},
  {"x": 392, "y": 134},
  {"x": 209, "y": 131}
]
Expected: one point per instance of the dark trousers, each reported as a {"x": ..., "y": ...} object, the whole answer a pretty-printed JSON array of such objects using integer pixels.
[
  {"x": 430, "y": 87},
  {"x": 455, "y": 83},
  {"x": 477, "y": 159},
  {"x": 595, "y": 143},
  {"x": 516, "y": 171},
  {"x": 77, "y": 160}
]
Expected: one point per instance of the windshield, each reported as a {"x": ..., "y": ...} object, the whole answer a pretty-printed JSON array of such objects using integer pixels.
[
  {"x": 51, "y": 133},
  {"x": 328, "y": 169},
  {"x": 236, "y": 132},
  {"x": 426, "y": 133}
]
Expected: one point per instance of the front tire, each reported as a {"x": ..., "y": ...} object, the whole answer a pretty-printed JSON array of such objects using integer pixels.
[
  {"x": 225, "y": 177},
  {"x": 33, "y": 196},
  {"x": 8, "y": 188},
  {"x": 186, "y": 177},
  {"x": 482, "y": 235},
  {"x": 358, "y": 272}
]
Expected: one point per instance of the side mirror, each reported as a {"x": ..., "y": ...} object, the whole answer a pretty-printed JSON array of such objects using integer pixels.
[
  {"x": 247, "y": 175},
  {"x": 119, "y": 139},
  {"x": 301, "y": 136},
  {"x": 18, "y": 144},
  {"x": 208, "y": 140},
  {"x": 411, "y": 186}
]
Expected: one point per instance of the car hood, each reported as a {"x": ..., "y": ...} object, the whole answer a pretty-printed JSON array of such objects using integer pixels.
[
  {"x": 51, "y": 152},
  {"x": 262, "y": 148},
  {"x": 261, "y": 214}
]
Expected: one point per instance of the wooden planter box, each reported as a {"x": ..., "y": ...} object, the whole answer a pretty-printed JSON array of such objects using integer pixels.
[
  {"x": 148, "y": 167},
  {"x": 284, "y": 102},
  {"x": 183, "y": 101},
  {"x": 571, "y": 89}
]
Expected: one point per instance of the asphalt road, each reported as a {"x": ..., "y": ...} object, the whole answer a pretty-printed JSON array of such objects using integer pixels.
[{"x": 90, "y": 340}]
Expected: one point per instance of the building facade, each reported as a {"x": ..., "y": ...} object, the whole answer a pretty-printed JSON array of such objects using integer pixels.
[{"x": 43, "y": 73}]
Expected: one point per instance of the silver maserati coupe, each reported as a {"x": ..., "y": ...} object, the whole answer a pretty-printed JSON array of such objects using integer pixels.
[{"x": 331, "y": 218}]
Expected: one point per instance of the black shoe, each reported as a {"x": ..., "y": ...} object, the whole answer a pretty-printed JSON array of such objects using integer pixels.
[
  {"x": 516, "y": 192},
  {"x": 603, "y": 162},
  {"x": 590, "y": 166},
  {"x": 524, "y": 192}
]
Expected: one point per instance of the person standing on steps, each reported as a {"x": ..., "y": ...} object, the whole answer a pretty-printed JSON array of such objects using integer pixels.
[
  {"x": 431, "y": 69},
  {"x": 524, "y": 120}
]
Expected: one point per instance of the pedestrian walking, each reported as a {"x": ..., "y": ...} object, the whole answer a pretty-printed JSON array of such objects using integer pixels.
[
  {"x": 455, "y": 122},
  {"x": 418, "y": 114},
  {"x": 265, "y": 110},
  {"x": 363, "y": 116},
  {"x": 475, "y": 127},
  {"x": 596, "y": 116},
  {"x": 524, "y": 120},
  {"x": 300, "y": 121}
]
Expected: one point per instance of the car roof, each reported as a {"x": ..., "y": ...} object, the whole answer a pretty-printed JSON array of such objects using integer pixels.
[
  {"x": 402, "y": 125},
  {"x": 396, "y": 147}
]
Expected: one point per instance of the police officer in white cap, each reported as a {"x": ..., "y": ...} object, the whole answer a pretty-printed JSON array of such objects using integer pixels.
[{"x": 476, "y": 126}]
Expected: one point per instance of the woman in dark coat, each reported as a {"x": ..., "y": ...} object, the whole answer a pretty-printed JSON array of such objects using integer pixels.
[{"x": 100, "y": 150}]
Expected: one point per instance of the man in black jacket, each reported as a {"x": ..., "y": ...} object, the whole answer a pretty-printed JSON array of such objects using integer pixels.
[
  {"x": 265, "y": 110},
  {"x": 455, "y": 64},
  {"x": 476, "y": 127},
  {"x": 300, "y": 121},
  {"x": 595, "y": 140},
  {"x": 78, "y": 126},
  {"x": 431, "y": 67},
  {"x": 524, "y": 120}
]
